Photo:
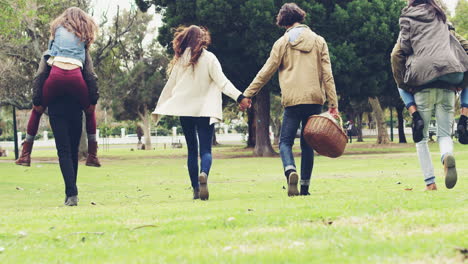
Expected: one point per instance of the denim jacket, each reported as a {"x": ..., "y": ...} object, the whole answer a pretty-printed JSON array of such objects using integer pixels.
[
  {"x": 43, "y": 71},
  {"x": 66, "y": 44}
]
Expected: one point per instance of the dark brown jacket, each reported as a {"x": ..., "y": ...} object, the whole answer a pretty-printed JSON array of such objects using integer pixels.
[{"x": 43, "y": 72}]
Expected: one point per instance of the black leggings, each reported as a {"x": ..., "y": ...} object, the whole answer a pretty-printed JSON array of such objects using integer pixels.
[{"x": 66, "y": 117}]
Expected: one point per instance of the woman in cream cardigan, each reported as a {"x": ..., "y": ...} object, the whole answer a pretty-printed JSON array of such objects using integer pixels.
[{"x": 194, "y": 93}]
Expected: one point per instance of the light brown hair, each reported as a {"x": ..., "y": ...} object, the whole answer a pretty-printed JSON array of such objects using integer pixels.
[
  {"x": 78, "y": 22},
  {"x": 194, "y": 37}
]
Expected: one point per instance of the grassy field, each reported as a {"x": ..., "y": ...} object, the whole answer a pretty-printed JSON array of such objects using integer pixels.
[{"x": 366, "y": 207}]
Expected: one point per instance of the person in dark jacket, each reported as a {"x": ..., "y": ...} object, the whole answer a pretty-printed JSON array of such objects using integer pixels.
[
  {"x": 350, "y": 130},
  {"x": 66, "y": 68},
  {"x": 434, "y": 56}
]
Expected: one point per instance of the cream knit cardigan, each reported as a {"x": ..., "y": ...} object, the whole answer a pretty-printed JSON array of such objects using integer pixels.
[{"x": 195, "y": 91}]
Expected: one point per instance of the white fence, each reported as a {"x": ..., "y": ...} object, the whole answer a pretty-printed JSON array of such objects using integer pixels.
[{"x": 221, "y": 138}]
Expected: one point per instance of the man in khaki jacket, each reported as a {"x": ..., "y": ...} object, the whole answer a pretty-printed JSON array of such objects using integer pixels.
[{"x": 306, "y": 80}]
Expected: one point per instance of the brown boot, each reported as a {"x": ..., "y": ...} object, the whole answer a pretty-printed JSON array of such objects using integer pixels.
[
  {"x": 203, "y": 180},
  {"x": 25, "y": 158},
  {"x": 92, "y": 159},
  {"x": 431, "y": 187}
]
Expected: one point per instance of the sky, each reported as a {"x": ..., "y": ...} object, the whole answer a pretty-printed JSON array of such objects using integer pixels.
[
  {"x": 451, "y": 4},
  {"x": 98, "y": 7}
]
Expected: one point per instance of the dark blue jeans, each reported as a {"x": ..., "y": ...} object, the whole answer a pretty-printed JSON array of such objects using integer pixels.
[
  {"x": 197, "y": 129},
  {"x": 292, "y": 117}
]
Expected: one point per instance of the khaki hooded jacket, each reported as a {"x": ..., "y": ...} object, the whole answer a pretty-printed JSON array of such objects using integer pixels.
[{"x": 304, "y": 67}]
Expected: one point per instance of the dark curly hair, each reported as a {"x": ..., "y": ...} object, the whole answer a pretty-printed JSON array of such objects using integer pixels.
[{"x": 289, "y": 14}]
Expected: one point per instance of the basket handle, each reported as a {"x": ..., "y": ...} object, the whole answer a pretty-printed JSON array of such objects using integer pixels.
[
  {"x": 341, "y": 123},
  {"x": 328, "y": 115}
]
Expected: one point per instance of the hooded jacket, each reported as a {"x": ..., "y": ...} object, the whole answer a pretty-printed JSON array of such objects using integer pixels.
[
  {"x": 398, "y": 61},
  {"x": 305, "y": 73},
  {"x": 432, "y": 51}
]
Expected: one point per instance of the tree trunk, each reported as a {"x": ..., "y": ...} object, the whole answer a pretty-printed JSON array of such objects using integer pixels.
[
  {"x": 263, "y": 146},
  {"x": 146, "y": 119},
  {"x": 214, "y": 142},
  {"x": 276, "y": 134},
  {"x": 359, "y": 128},
  {"x": 252, "y": 127},
  {"x": 382, "y": 134},
  {"x": 83, "y": 149},
  {"x": 371, "y": 121},
  {"x": 401, "y": 124}
]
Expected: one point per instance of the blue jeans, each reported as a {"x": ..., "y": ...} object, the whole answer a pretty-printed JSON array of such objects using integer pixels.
[
  {"x": 408, "y": 98},
  {"x": 443, "y": 101},
  {"x": 292, "y": 117},
  {"x": 200, "y": 127},
  {"x": 464, "y": 97},
  {"x": 452, "y": 78}
]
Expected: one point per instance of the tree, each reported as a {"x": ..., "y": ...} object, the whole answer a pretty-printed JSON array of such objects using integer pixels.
[
  {"x": 139, "y": 91},
  {"x": 107, "y": 52},
  {"x": 391, "y": 98},
  {"x": 24, "y": 28},
  {"x": 401, "y": 123},
  {"x": 276, "y": 117},
  {"x": 24, "y": 34},
  {"x": 141, "y": 72},
  {"x": 243, "y": 33},
  {"x": 362, "y": 63},
  {"x": 460, "y": 20},
  {"x": 360, "y": 34}
]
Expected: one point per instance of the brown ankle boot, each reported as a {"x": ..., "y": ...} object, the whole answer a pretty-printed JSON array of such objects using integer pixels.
[
  {"x": 25, "y": 158},
  {"x": 92, "y": 159}
]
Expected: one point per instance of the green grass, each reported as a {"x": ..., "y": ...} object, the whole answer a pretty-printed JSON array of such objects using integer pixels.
[{"x": 137, "y": 208}]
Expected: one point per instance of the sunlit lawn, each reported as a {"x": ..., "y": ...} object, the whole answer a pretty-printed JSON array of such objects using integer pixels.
[{"x": 366, "y": 207}]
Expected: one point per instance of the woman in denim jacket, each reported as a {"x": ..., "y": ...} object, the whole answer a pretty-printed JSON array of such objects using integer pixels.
[
  {"x": 66, "y": 83},
  {"x": 67, "y": 59}
]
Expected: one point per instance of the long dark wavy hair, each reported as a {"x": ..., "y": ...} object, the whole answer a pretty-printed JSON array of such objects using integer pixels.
[
  {"x": 194, "y": 37},
  {"x": 439, "y": 12}
]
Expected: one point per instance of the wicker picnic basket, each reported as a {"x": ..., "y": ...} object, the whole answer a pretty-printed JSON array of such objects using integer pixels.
[{"x": 325, "y": 136}]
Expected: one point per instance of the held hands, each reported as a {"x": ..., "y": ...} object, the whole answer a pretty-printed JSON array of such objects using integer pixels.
[
  {"x": 245, "y": 104},
  {"x": 334, "y": 112}
]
